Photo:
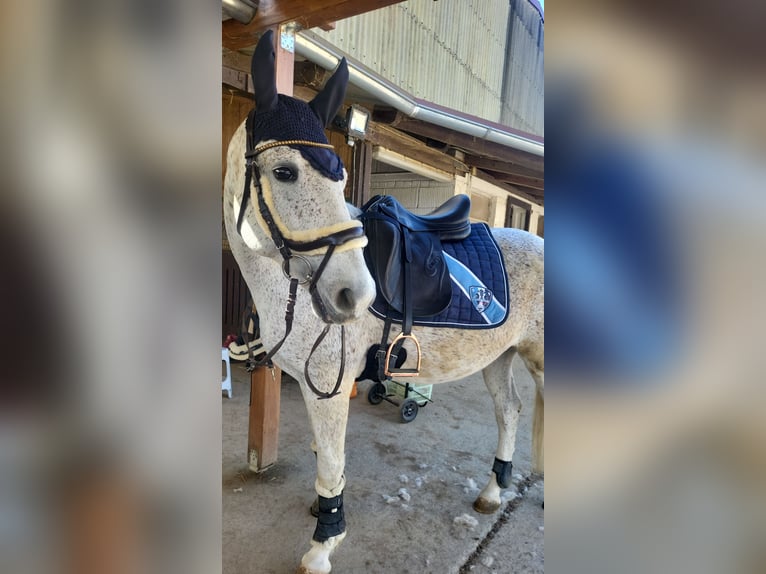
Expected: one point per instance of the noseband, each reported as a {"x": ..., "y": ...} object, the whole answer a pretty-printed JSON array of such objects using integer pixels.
[{"x": 294, "y": 248}]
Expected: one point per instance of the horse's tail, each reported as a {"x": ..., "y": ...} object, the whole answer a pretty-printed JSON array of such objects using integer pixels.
[{"x": 538, "y": 431}]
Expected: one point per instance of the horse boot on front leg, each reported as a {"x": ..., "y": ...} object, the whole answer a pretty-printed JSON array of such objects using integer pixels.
[
  {"x": 329, "y": 533},
  {"x": 328, "y": 420}
]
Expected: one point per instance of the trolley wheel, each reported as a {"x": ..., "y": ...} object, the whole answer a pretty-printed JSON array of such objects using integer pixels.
[
  {"x": 376, "y": 393},
  {"x": 409, "y": 410}
]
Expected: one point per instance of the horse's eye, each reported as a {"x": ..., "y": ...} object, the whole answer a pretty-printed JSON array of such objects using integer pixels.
[{"x": 285, "y": 174}]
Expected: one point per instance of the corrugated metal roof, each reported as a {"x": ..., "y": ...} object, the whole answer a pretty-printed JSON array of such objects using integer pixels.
[
  {"x": 482, "y": 57},
  {"x": 450, "y": 52},
  {"x": 523, "y": 90}
]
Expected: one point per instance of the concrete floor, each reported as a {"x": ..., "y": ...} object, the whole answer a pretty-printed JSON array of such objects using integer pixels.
[{"x": 445, "y": 450}]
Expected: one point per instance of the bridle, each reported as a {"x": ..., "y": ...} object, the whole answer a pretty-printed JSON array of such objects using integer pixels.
[{"x": 294, "y": 247}]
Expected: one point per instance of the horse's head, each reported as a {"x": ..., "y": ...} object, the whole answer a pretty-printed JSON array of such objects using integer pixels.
[{"x": 284, "y": 194}]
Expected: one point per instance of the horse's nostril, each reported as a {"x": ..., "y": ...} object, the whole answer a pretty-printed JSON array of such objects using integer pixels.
[{"x": 346, "y": 300}]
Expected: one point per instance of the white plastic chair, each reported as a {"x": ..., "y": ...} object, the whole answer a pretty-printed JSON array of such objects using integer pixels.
[{"x": 226, "y": 383}]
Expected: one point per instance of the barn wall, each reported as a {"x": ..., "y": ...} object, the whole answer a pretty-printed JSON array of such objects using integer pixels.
[
  {"x": 482, "y": 58},
  {"x": 234, "y": 111},
  {"x": 234, "y": 295},
  {"x": 418, "y": 194},
  {"x": 449, "y": 52},
  {"x": 523, "y": 90},
  {"x": 233, "y": 288}
]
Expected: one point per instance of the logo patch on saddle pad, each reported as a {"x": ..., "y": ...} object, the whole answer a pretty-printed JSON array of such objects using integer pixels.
[{"x": 481, "y": 297}]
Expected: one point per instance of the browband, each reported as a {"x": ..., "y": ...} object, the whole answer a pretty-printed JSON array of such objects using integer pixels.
[{"x": 270, "y": 145}]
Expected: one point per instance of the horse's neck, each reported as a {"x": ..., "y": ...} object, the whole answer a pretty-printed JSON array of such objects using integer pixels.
[{"x": 264, "y": 278}]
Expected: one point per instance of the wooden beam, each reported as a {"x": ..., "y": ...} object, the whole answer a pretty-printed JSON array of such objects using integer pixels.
[
  {"x": 497, "y": 165},
  {"x": 304, "y": 93},
  {"x": 236, "y": 60},
  {"x": 310, "y": 75},
  {"x": 530, "y": 182},
  {"x": 527, "y": 194},
  {"x": 390, "y": 138},
  {"x": 240, "y": 81},
  {"x": 284, "y": 61},
  {"x": 242, "y": 84},
  {"x": 305, "y": 13},
  {"x": 528, "y": 191},
  {"x": 362, "y": 173},
  {"x": 263, "y": 426},
  {"x": 471, "y": 144},
  {"x": 235, "y": 69}
]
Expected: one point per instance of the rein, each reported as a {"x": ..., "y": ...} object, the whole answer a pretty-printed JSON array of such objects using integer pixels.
[{"x": 288, "y": 247}]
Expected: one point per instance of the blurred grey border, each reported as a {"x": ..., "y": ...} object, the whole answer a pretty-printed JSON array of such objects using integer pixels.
[
  {"x": 110, "y": 449},
  {"x": 656, "y": 461}
]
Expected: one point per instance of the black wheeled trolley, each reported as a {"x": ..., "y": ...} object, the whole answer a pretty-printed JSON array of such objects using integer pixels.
[{"x": 412, "y": 397}]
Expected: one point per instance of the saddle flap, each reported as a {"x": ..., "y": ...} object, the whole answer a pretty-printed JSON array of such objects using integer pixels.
[
  {"x": 431, "y": 292},
  {"x": 383, "y": 255}
]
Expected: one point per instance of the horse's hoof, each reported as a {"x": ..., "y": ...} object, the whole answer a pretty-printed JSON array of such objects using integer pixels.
[
  {"x": 303, "y": 570},
  {"x": 484, "y": 506}
]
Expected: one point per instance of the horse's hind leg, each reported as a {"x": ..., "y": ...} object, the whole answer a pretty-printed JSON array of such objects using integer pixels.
[
  {"x": 533, "y": 355},
  {"x": 328, "y": 420},
  {"x": 498, "y": 377}
]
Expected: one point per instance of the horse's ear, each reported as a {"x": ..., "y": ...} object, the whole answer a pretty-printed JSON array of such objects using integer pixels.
[
  {"x": 327, "y": 102},
  {"x": 262, "y": 70}
]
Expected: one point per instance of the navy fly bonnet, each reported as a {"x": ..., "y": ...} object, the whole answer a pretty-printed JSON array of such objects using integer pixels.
[
  {"x": 280, "y": 117},
  {"x": 293, "y": 119}
]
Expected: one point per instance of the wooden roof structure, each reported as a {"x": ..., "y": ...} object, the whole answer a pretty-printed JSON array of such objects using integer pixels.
[{"x": 518, "y": 172}]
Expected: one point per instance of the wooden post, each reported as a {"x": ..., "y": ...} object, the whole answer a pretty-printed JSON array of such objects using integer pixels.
[
  {"x": 284, "y": 60},
  {"x": 263, "y": 427},
  {"x": 362, "y": 173}
]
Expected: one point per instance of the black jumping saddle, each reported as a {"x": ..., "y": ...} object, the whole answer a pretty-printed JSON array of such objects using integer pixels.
[{"x": 404, "y": 256}]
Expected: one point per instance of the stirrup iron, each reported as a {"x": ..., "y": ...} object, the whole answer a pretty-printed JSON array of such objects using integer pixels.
[{"x": 396, "y": 372}]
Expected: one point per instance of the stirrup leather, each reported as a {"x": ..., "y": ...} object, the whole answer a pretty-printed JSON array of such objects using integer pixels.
[{"x": 396, "y": 372}]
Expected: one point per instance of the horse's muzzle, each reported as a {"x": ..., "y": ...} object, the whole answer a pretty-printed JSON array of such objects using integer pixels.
[{"x": 345, "y": 305}]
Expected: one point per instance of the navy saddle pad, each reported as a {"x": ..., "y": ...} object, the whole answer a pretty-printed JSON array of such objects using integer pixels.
[{"x": 479, "y": 285}]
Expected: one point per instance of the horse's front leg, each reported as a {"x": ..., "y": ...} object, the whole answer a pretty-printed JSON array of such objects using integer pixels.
[{"x": 328, "y": 419}]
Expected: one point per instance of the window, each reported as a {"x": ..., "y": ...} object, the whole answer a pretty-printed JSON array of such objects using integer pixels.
[{"x": 517, "y": 214}]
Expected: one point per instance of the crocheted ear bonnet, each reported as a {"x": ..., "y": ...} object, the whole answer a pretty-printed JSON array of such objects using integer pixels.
[
  {"x": 294, "y": 119},
  {"x": 282, "y": 118}
]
